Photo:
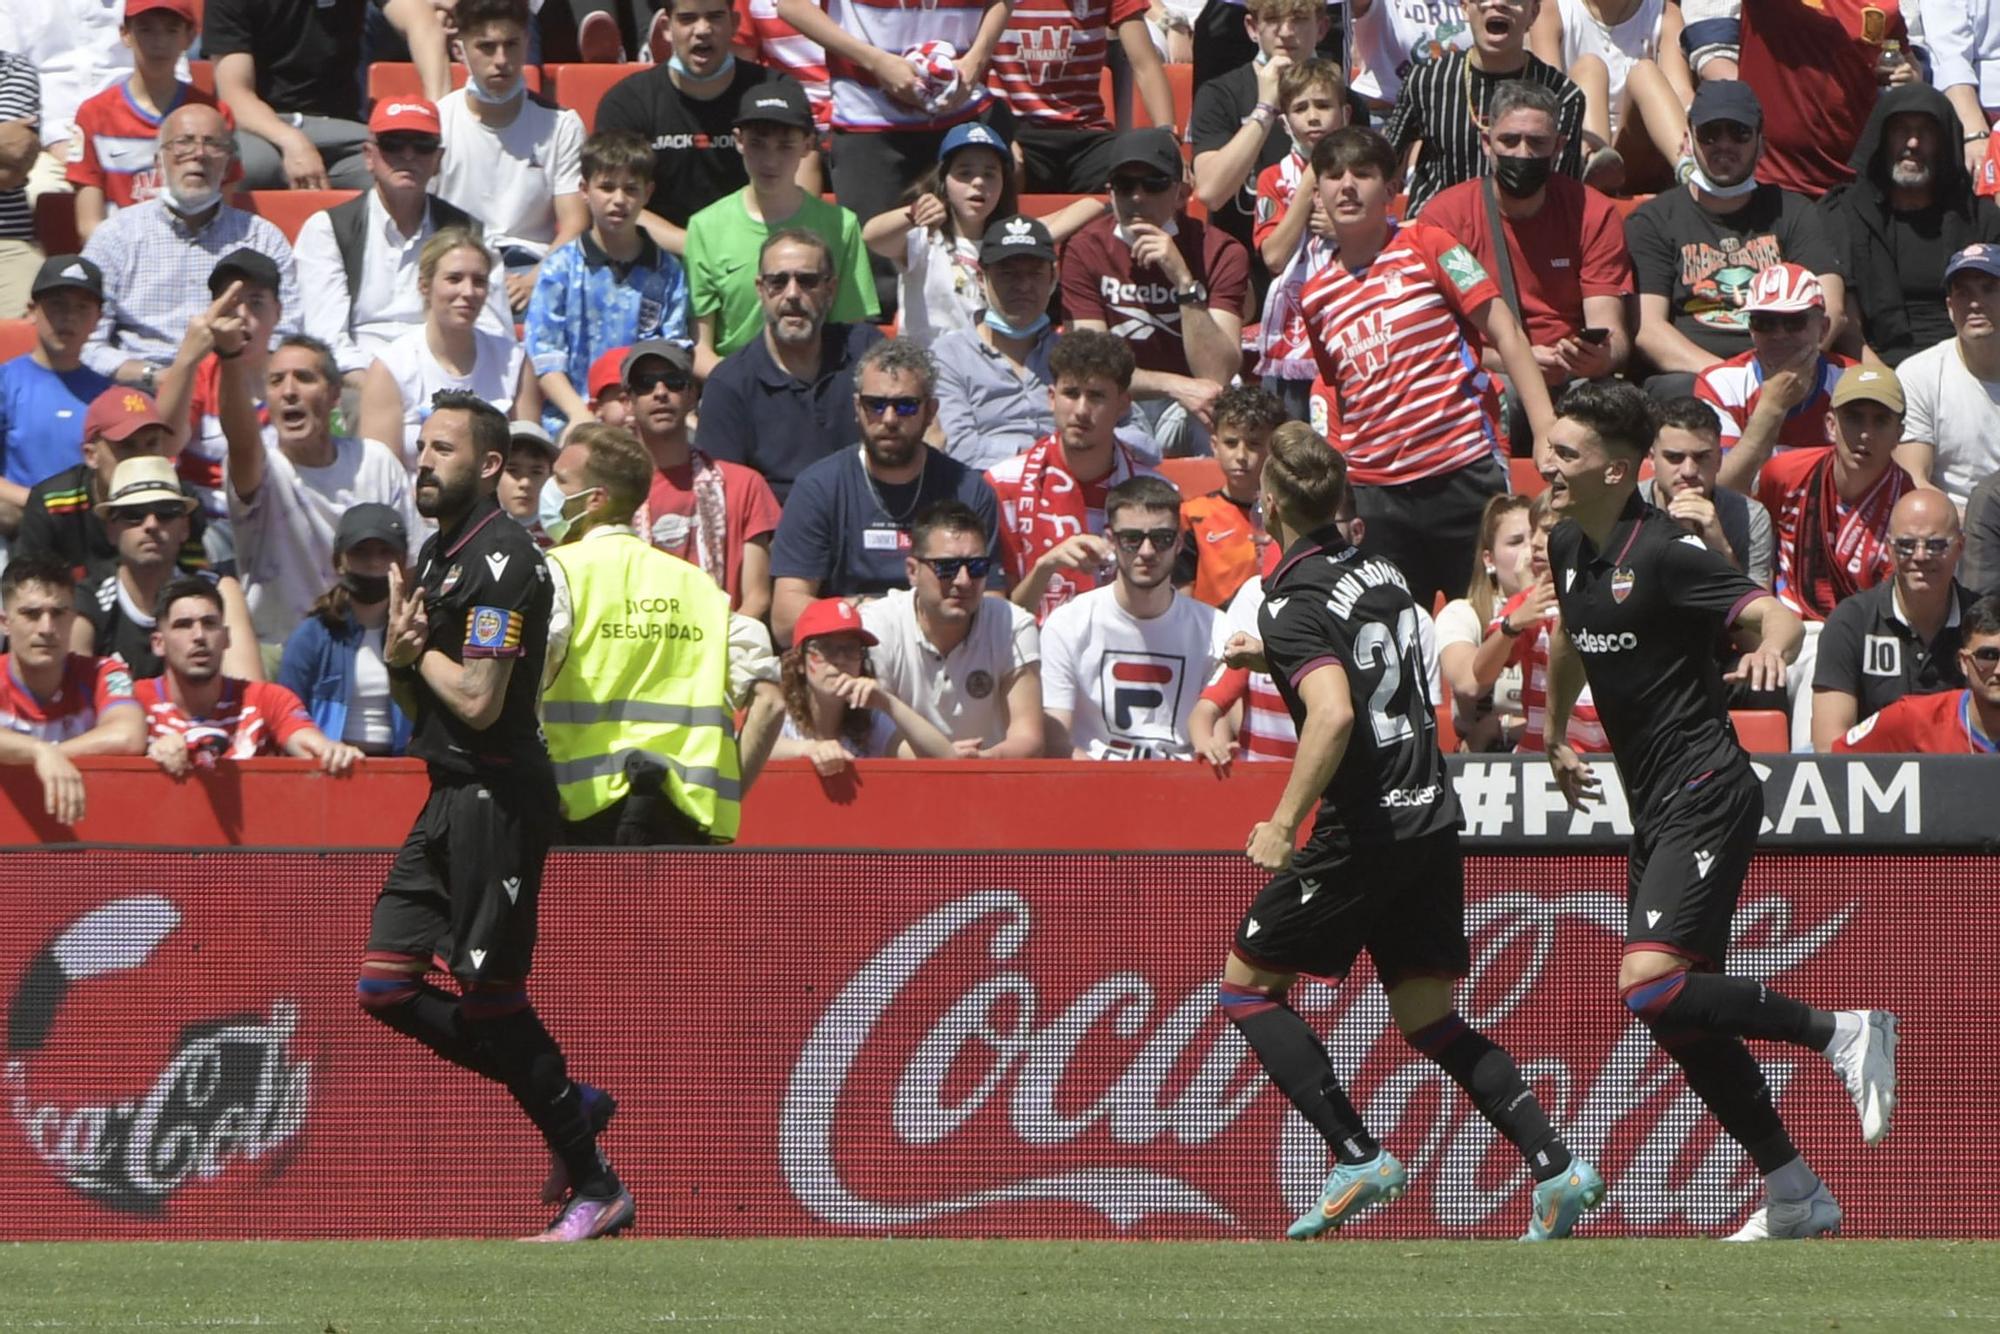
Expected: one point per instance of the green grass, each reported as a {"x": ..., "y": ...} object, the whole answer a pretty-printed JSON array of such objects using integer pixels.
[{"x": 1676, "y": 1287}]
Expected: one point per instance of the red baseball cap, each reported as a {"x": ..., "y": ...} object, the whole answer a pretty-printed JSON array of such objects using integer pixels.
[
  {"x": 118, "y": 412},
  {"x": 184, "y": 8},
  {"x": 607, "y": 372},
  {"x": 830, "y": 616},
  {"x": 405, "y": 115}
]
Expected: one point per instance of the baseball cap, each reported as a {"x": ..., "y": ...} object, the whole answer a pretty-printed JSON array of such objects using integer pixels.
[
  {"x": 607, "y": 372},
  {"x": 1007, "y": 237},
  {"x": 531, "y": 433},
  {"x": 405, "y": 115},
  {"x": 830, "y": 616},
  {"x": 1152, "y": 147},
  {"x": 971, "y": 134},
  {"x": 118, "y": 412},
  {"x": 672, "y": 353},
  {"x": 1979, "y": 257},
  {"x": 1725, "y": 99},
  {"x": 59, "y": 271},
  {"x": 147, "y": 480},
  {"x": 184, "y": 8},
  {"x": 780, "y": 101},
  {"x": 1874, "y": 384},
  {"x": 1784, "y": 289},
  {"x": 369, "y": 521},
  {"x": 253, "y": 268}
]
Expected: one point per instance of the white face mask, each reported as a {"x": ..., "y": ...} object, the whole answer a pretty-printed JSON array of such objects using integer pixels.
[
  {"x": 1123, "y": 233},
  {"x": 190, "y": 205},
  {"x": 476, "y": 90}
]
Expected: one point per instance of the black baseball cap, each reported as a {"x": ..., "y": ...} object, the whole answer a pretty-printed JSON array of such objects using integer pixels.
[
  {"x": 59, "y": 271},
  {"x": 253, "y": 268},
  {"x": 370, "y": 520},
  {"x": 780, "y": 101},
  {"x": 672, "y": 353},
  {"x": 1008, "y": 237},
  {"x": 1154, "y": 147},
  {"x": 1726, "y": 99}
]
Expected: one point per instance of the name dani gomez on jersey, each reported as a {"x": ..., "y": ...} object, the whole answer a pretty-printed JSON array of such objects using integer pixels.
[{"x": 1373, "y": 572}]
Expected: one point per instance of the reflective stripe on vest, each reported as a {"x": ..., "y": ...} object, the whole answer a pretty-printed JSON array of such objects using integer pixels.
[{"x": 647, "y": 673}]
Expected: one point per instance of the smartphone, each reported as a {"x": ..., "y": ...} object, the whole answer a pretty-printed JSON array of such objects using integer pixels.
[{"x": 1597, "y": 336}]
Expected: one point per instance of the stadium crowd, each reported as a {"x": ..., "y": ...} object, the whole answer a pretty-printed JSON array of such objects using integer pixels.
[{"x": 959, "y": 388}]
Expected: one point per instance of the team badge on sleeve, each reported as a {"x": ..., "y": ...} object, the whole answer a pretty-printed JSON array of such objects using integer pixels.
[
  {"x": 1462, "y": 268},
  {"x": 493, "y": 630}
]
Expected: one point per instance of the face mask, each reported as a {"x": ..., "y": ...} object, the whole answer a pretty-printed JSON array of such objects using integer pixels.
[
  {"x": 728, "y": 68},
  {"x": 369, "y": 588},
  {"x": 1124, "y": 233},
  {"x": 1521, "y": 177},
  {"x": 1700, "y": 181},
  {"x": 549, "y": 510},
  {"x": 995, "y": 321},
  {"x": 476, "y": 90},
  {"x": 190, "y": 205}
]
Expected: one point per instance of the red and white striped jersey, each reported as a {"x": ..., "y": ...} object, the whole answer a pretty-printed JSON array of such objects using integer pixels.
[
  {"x": 1531, "y": 655},
  {"x": 1395, "y": 347},
  {"x": 898, "y": 27},
  {"x": 90, "y": 687},
  {"x": 1267, "y": 733},
  {"x": 778, "y": 44},
  {"x": 251, "y": 718},
  {"x": 1051, "y": 55},
  {"x": 1733, "y": 387}
]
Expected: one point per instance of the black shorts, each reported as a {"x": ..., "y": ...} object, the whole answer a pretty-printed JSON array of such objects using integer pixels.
[
  {"x": 1430, "y": 528},
  {"x": 465, "y": 883},
  {"x": 1402, "y": 902},
  {"x": 1687, "y": 864}
]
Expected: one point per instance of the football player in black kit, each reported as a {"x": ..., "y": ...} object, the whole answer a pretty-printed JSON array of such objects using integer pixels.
[
  {"x": 1642, "y": 602},
  {"x": 1382, "y": 870},
  {"x": 465, "y": 650}
]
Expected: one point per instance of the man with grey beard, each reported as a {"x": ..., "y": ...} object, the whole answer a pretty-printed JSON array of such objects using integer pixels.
[
  {"x": 1910, "y": 208},
  {"x": 782, "y": 402},
  {"x": 156, "y": 256}
]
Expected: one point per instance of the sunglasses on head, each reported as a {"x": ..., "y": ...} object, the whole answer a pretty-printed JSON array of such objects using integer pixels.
[
  {"x": 1131, "y": 539},
  {"x": 946, "y": 568},
  {"x": 1908, "y": 547},
  {"x": 876, "y": 404},
  {"x": 774, "y": 284},
  {"x": 644, "y": 382},
  {"x": 1717, "y": 130},
  {"x": 1152, "y": 183},
  {"x": 422, "y": 144},
  {"x": 1769, "y": 322}
]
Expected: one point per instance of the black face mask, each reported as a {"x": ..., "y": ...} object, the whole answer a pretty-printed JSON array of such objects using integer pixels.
[
  {"x": 1521, "y": 177},
  {"x": 369, "y": 588}
]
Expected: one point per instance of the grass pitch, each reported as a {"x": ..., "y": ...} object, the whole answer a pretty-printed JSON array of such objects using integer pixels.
[{"x": 1689, "y": 1287}]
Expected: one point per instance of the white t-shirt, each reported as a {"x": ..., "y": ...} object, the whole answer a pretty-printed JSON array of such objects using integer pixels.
[
  {"x": 1459, "y": 623},
  {"x": 1130, "y": 686},
  {"x": 960, "y": 692},
  {"x": 370, "y": 723},
  {"x": 940, "y": 288},
  {"x": 510, "y": 178},
  {"x": 284, "y": 533},
  {"x": 1394, "y": 34},
  {"x": 880, "y": 742},
  {"x": 1620, "y": 47},
  {"x": 1958, "y": 413},
  {"x": 496, "y": 375}
]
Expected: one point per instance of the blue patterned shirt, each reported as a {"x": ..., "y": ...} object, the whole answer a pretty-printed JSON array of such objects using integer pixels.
[{"x": 587, "y": 303}]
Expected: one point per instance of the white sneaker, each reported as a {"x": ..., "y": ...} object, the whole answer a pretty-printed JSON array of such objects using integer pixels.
[
  {"x": 1867, "y": 1065},
  {"x": 1791, "y": 1220}
]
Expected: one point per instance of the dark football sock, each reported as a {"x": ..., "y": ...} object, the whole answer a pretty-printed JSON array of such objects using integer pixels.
[
  {"x": 531, "y": 1065},
  {"x": 431, "y": 1016},
  {"x": 1493, "y": 1082},
  {"x": 1731, "y": 1085},
  {"x": 1293, "y": 1056},
  {"x": 1737, "y": 1007}
]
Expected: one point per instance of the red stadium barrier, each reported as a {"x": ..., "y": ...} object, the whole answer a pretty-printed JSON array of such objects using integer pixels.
[{"x": 1015, "y": 1045}]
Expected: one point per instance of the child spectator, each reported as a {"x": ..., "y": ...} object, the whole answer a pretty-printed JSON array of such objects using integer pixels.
[
  {"x": 333, "y": 660},
  {"x": 1519, "y": 637},
  {"x": 609, "y": 288},
  {"x": 774, "y": 132},
  {"x": 1293, "y": 232},
  {"x": 45, "y": 392},
  {"x": 763, "y": 37},
  {"x": 531, "y": 458},
  {"x": 1225, "y": 528},
  {"x": 610, "y": 400},
  {"x": 835, "y": 710},
  {"x": 111, "y": 155}
]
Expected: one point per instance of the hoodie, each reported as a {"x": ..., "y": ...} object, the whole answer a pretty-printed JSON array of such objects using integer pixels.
[{"x": 1895, "y": 262}]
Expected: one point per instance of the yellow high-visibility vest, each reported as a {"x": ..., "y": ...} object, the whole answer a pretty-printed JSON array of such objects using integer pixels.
[{"x": 647, "y": 669}]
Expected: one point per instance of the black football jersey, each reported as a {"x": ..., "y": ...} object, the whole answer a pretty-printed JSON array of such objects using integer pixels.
[{"x": 1328, "y": 603}]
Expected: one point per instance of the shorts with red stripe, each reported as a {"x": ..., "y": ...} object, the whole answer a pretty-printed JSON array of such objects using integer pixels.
[{"x": 1402, "y": 902}]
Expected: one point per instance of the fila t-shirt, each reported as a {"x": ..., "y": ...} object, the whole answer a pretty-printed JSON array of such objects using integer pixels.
[{"x": 1129, "y": 685}]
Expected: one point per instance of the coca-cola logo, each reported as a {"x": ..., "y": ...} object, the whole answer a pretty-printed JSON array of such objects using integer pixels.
[
  {"x": 949, "y": 1075},
  {"x": 212, "y": 1092}
]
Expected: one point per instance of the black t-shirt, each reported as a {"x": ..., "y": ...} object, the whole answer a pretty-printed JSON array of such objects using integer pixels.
[
  {"x": 59, "y": 518},
  {"x": 1645, "y": 614},
  {"x": 1219, "y": 108},
  {"x": 486, "y": 595},
  {"x": 1921, "y": 255},
  {"x": 1866, "y": 650},
  {"x": 1327, "y": 603},
  {"x": 121, "y": 628},
  {"x": 695, "y": 161},
  {"x": 306, "y": 50},
  {"x": 1703, "y": 262}
]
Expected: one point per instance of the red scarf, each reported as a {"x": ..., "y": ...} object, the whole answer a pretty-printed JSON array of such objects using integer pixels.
[
  {"x": 1050, "y": 509},
  {"x": 1837, "y": 556}
]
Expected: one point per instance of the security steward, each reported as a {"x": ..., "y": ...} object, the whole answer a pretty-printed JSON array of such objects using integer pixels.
[{"x": 645, "y": 666}]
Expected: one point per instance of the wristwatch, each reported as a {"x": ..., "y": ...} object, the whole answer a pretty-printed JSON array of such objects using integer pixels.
[
  {"x": 1195, "y": 294},
  {"x": 1263, "y": 114},
  {"x": 149, "y": 379},
  {"x": 1508, "y": 629}
]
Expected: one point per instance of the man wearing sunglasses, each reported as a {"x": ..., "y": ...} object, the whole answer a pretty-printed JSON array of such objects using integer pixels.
[
  {"x": 1952, "y": 722},
  {"x": 1776, "y": 395},
  {"x": 970, "y": 664},
  {"x": 1901, "y": 637},
  {"x": 1696, "y": 248}
]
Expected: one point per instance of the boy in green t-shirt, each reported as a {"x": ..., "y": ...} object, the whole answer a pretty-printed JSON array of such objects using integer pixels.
[{"x": 774, "y": 133}]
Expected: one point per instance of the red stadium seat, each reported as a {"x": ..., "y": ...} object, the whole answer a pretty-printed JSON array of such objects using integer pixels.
[
  {"x": 1762, "y": 731},
  {"x": 1447, "y": 734},
  {"x": 397, "y": 78},
  {"x": 201, "y": 74},
  {"x": 1194, "y": 477},
  {"x": 1526, "y": 478},
  {"x": 55, "y": 223},
  {"x": 17, "y": 338},
  {"x": 582, "y": 87},
  {"x": 288, "y": 210},
  {"x": 1180, "y": 81},
  {"x": 1626, "y": 205}
]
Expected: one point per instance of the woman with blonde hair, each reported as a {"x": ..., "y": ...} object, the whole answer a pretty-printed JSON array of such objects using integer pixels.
[{"x": 1488, "y": 716}]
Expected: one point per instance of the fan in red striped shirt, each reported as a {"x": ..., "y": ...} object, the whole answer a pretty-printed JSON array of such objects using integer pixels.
[
  {"x": 767, "y": 39},
  {"x": 1396, "y": 327},
  {"x": 1049, "y": 66}
]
